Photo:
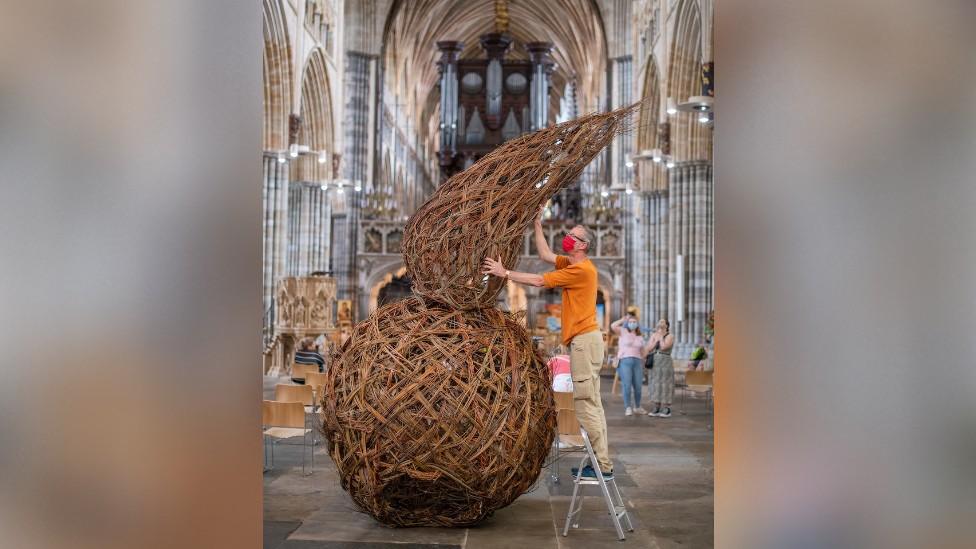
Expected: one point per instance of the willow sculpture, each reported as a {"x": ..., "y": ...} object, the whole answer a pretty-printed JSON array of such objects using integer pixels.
[{"x": 438, "y": 410}]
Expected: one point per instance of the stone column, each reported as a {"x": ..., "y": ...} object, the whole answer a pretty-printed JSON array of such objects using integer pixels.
[
  {"x": 359, "y": 139},
  {"x": 309, "y": 229},
  {"x": 275, "y": 193},
  {"x": 651, "y": 257},
  {"x": 540, "y": 53},
  {"x": 623, "y": 143},
  {"x": 692, "y": 228}
]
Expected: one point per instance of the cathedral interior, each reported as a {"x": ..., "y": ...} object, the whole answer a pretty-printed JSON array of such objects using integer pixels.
[{"x": 371, "y": 105}]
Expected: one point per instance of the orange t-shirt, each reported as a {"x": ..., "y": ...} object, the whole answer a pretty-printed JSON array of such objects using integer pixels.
[{"x": 579, "y": 284}]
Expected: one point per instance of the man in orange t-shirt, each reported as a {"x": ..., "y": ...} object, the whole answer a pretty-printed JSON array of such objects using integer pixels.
[{"x": 577, "y": 276}]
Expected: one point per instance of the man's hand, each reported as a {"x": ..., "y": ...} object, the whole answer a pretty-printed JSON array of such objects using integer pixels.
[
  {"x": 493, "y": 267},
  {"x": 538, "y": 218}
]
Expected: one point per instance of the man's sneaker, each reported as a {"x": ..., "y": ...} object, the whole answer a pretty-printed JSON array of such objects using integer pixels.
[
  {"x": 665, "y": 413},
  {"x": 629, "y": 411},
  {"x": 639, "y": 410},
  {"x": 655, "y": 413},
  {"x": 589, "y": 473}
]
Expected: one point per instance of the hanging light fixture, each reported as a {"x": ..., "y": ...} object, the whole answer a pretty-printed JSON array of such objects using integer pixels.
[
  {"x": 281, "y": 158},
  {"x": 672, "y": 106},
  {"x": 293, "y": 150},
  {"x": 322, "y": 158}
]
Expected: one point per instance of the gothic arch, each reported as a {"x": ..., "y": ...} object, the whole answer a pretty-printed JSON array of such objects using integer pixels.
[
  {"x": 277, "y": 76},
  {"x": 651, "y": 175},
  {"x": 316, "y": 129},
  {"x": 377, "y": 280},
  {"x": 690, "y": 140}
]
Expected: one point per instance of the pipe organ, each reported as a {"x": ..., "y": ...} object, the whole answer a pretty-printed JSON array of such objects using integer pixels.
[{"x": 489, "y": 100}]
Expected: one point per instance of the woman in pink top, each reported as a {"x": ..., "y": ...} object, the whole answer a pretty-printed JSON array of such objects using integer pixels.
[{"x": 630, "y": 355}]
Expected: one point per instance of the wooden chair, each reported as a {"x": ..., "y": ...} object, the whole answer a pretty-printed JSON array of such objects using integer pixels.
[
  {"x": 284, "y": 420},
  {"x": 296, "y": 393},
  {"x": 698, "y": 382},
  {"x": 298, "y": 371},
  {"x": 567, "y": 426},
  {"x": 316, "y": 380}
]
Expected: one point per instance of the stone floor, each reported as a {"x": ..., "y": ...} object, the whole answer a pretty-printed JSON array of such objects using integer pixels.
[{"x": 664, "y": 470}]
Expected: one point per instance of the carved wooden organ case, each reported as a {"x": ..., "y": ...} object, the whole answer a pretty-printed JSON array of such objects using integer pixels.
[{"x": 487, "y": 101}]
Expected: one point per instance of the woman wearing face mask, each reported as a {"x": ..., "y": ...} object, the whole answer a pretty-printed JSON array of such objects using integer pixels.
[
  {"x": 630, "y": 362},
  {"x": 662, "y": 375}
]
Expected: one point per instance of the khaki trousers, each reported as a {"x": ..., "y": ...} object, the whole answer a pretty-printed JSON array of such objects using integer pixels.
[{"x": 585, "y": 360}]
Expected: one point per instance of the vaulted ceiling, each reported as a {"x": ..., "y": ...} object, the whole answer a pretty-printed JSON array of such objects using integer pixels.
[{"x": 414, "y": 26}]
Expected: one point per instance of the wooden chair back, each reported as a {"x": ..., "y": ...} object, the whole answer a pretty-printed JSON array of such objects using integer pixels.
[
  {"x": 566, "y": 422},
  {"x": 315, "y": 380},
  {"x": 693, "y": 377},
  {"x": 299, "y": 371},
  {"x": 294, "y": 393},
  {"x": 282, "y": 414}
]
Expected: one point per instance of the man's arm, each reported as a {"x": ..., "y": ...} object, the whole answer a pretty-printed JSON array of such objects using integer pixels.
[
  {"x": 541, "y": 244},
  {"x": 495, "y": 267},
  {"x": 530, "y": 279}
]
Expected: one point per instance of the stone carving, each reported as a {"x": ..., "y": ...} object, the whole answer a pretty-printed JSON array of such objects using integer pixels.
[
  {"x": 304, "y": 308},
  {"x": 319, "y": 316},
  {"x": 393, "y": 242},
  {"x": 610, "y": 244},
  {"x": 305, "y": 304},
  {"x": 373, "y": 243},
  {"x": 284, "y": 308}
]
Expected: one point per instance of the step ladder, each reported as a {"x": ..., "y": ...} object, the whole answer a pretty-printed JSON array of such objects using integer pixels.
[{"x": 615, "y": 503}]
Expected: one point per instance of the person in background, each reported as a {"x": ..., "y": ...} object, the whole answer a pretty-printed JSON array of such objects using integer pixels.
[
  {"x": 630, "y": 362},
  {"x": 308, "y": 353},
  {"x": 698, "y": 355},
  {"x": 662, "y": 374}
]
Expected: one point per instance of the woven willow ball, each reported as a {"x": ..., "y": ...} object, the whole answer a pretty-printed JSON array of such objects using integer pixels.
[
  {"x": 437, "y": 417},
  {"x": 485, "y": 210}
]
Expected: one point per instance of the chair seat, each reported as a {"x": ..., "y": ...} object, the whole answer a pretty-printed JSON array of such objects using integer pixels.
[
  {"x": 699, "y": 388},
  {"x": 311, "y": 409},
  {"x": 286, "y": 432}
]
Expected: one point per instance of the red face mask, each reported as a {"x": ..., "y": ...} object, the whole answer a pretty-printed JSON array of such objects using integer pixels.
[{"x": 568, "y": 243}]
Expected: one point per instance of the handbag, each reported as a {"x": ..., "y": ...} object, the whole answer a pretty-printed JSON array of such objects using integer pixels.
[{"x": 649, "y": 361}]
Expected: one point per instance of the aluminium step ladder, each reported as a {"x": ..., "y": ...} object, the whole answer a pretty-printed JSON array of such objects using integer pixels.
[{"x": 615, "y": 504}]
